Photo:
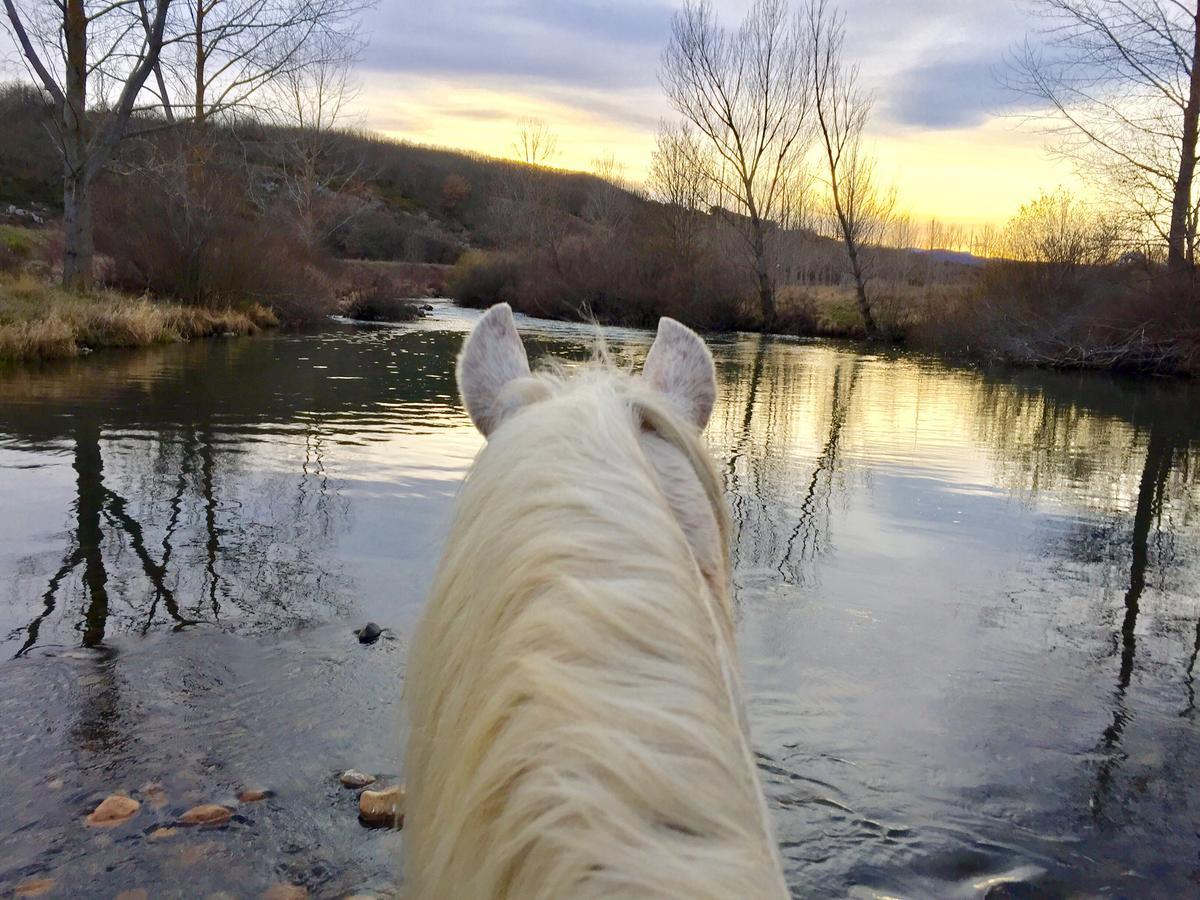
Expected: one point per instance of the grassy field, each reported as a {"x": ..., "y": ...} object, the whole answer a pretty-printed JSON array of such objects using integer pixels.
[{"x": 38, "y": 320}]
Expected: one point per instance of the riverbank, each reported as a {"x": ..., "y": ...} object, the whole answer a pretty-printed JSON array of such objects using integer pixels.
[
  {"x": 40, "y": 321},
  {"x": 1102, "y": 320}
]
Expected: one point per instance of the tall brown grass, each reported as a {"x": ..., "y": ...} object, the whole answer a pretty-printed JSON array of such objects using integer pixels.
[{"x": 41, "y": 321}]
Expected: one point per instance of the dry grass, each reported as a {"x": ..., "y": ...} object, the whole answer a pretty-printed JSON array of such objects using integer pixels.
[
  {"x": 41, "y": 321},
  {"x": 832, "y": 310}
]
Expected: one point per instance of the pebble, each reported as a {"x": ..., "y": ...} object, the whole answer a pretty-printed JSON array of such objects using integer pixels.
[
  {"x": 253, "y": 795},
  {"x": 113, "y": 809},
  {"x": 207, "y": 814},
  {"x": 384, "y": 807},
  {"x": 369, "y": 633},
  {"x": 284, "y": 891},
  {"x": 34, "y": 887},
  {"x": 161, "y": 834},
  {"x": 352, "y": 778}
]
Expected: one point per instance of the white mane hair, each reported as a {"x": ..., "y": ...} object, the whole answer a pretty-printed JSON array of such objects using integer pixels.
[{"x": 575, "y": 720}]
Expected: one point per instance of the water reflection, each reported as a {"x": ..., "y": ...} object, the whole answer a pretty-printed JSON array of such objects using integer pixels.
[
  {"x": 969, "y": 600},
  {"x": 201, "y": 482}
]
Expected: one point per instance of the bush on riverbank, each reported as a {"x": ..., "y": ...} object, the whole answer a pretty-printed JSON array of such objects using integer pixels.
[
  {"x": 1102, "y": 317},
  {"x": 610, "y": 283},
  {"x": 40, "y": 321}
]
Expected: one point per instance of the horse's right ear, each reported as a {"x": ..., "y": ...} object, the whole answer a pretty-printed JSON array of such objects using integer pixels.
[
  {"x": 680, "y": 366},
  {"x": 491, "y": 357}
]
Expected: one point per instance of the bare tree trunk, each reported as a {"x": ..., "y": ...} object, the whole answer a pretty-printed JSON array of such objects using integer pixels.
[
  {"x": 766, "y": 290},
  {"x": 77, "y": 201},
  {"x": 199, "y": 62},
  {"x": 851, "y": 241},
  {"x": 1178, "y": 262},
  {"x": 860, "y": 286},
  {"x": 77, "y": 229}
]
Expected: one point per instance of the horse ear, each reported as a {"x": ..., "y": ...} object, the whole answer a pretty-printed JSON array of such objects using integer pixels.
[
  {"x": 491, "y": 357},
  {"x": 681, "y": 367}
]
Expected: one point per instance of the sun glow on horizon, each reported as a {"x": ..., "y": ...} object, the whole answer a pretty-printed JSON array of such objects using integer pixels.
[{"x": 972, "y": 176}]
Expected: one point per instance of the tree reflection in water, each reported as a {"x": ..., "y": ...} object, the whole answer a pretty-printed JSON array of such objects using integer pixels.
[
  {"x": 202, "y": 492},
  {"x": 955, "y": 583}
]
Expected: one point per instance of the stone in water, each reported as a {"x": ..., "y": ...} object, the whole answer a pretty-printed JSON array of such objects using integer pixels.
[
  {"x": 369, "y": 633},
  {"x": 113, "y": 809},
  {"x": 384, "y": 807},
  {"x": 352, "y": 778},
  {"x": 207, "y": 814}
]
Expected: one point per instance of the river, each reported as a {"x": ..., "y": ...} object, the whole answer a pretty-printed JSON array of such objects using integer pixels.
[{"x": 969, "y": 609}]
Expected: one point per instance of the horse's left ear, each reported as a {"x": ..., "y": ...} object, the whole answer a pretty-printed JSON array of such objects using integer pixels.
[
  {"x": 681, "y": 367},
  {"x": 491, "y": 357}
]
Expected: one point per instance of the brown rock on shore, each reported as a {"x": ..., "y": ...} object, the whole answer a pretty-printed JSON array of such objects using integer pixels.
[{"x": 384, "y": 807}]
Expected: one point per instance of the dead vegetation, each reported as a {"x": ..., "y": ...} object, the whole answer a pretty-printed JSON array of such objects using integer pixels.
[{"x": 40, "y": 321}]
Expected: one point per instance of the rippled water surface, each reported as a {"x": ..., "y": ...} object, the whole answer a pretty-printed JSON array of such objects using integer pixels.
[{"x": 970, "y": 610}]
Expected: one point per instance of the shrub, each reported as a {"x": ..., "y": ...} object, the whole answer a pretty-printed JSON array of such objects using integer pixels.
[
  {"x": 797, "y": 311},
  {"x": 480, "y": 279},
  {"x": 373, "y": 295},
  {"x": 202, "y": 240}
]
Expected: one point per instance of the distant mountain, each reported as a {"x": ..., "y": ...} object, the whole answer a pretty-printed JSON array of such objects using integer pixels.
[{"x": 961, "y": 257}]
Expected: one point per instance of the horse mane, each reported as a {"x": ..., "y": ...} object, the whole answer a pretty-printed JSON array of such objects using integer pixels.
[{"x": 574, "y": 707}]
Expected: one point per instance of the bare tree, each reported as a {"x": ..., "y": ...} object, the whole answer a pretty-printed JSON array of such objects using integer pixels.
[
  {"x": 313, "y": 100},
  {"x": 1057, "y": 229},
  {"x": 799, "y": 203},
  {"x": 678, "y": 180},
  {"x": 608, "y": 203},
  {"x": 749, "y": 93},
  {"x": 63, "y": 50},
  {"x": 860, "y": 207},
  {"x": 225, "y": 56},
  {"x": 536, "y": 144},
  {"x": 1121, "y": 83}
]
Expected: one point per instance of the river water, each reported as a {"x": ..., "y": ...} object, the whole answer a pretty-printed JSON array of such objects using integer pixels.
[{"x": 969, "y": 609}]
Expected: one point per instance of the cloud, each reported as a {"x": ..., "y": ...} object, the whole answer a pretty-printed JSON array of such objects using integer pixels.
[
  {"x": 582, "y": 44},
  {"x": 946, "y": 95}
]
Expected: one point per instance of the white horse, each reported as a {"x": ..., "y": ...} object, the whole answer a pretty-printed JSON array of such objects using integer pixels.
[{"x": 576, "y": 725}]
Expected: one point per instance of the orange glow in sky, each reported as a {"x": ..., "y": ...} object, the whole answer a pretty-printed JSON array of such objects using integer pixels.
[{"x": 967, "y": 176}]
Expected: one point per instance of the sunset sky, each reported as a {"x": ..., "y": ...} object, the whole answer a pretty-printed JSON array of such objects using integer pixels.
[{"x": 463, "y": 74}]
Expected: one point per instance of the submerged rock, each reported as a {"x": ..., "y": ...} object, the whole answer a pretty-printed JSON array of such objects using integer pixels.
[
  {"x": 384, "y": 807},
  {"x": 189, "y": 856},
  {"x": 253, "y": 795},
  {"x": 113, "y": 809},
  {"x": 34, "y": 887},
  {"x": 352, "y": 778},
  {"x": 161, "y": 834},
  {"x": 368, "y": 634},
  {"x": 134, "y": 894},
  {"x": 284, "y": 891},
  {"x": 155, "y": 794},
  {"x": 207, "y": 814}
]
